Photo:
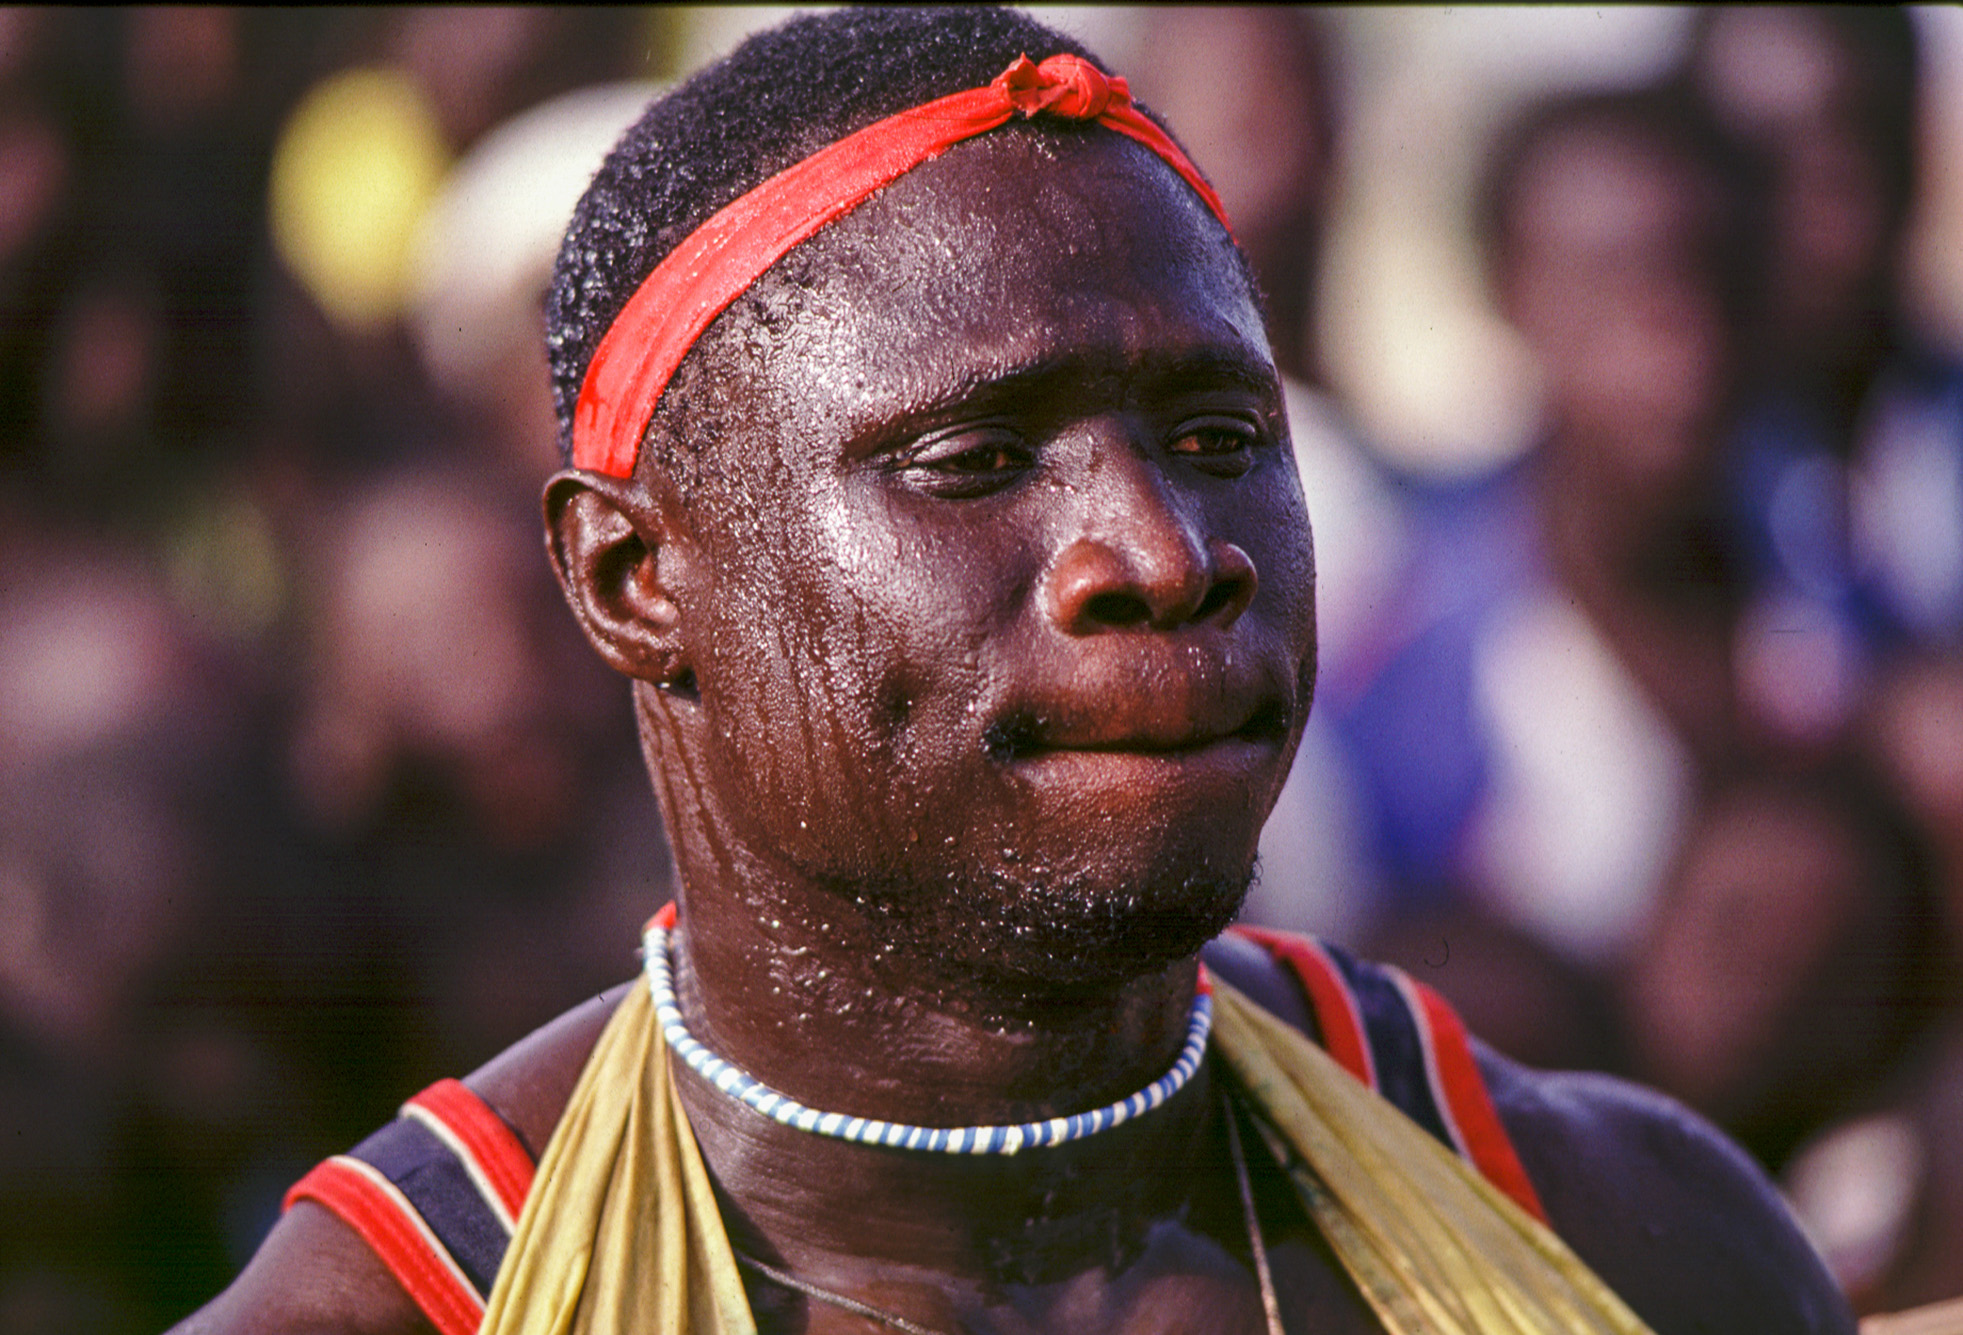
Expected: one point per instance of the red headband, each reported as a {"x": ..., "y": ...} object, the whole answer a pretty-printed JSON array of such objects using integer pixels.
[{"x": 720, "y": 259}]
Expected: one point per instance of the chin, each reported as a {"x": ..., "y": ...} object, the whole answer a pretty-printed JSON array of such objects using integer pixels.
[{"x": 1038, "y": 929}]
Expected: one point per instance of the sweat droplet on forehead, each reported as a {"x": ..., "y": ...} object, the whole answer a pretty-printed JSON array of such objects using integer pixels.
[{"x": 1005, "y": 252}]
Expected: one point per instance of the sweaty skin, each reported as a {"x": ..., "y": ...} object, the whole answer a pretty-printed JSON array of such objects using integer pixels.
[{"x": 969, "y": 657}]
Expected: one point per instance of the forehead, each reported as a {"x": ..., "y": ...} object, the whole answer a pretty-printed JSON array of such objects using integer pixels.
[{"x": 1077, "y": 253}]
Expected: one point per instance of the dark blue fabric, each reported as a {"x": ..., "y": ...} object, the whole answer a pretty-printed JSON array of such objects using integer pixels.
[
  {"x": 437, "y": 1184},
  {"x": 1396, "y": 1046}
]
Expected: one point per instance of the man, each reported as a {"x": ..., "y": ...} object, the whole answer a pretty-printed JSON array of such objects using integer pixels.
[{"x": 954, "y": 548}]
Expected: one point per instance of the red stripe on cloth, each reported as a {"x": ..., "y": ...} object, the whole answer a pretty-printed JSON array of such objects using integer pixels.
[
  {"x": 1415, "y": 1005},
  {"x": 1462, "y": 1090},
  {"x": 717, "y": 263},
  {"x": 498, "y": 1151},
  {"x": 388, "y": 1224},
  {"x": 1336, "y": 1011}
]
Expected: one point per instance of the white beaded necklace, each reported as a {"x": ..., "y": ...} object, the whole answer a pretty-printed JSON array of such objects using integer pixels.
[{"x": 747, "y": 1089}]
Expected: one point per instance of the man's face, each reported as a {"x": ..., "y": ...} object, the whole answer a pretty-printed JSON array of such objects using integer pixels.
[{"x": 1008, "y": 627}]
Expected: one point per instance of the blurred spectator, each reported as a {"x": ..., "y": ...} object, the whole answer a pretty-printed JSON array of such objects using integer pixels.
[
  {"x": 482, "y": 258},
  {"x": 1847, "y": 477},
  {"x": 1555, "y": 664},
  {"x": 465, "y": 773},
  {"x": 129, "y": 147},
  {"x": 266, "y": 860},
  {"x": 1622, "y": 236},
  {"x": 457, "y": 793},
  {"x": 134, "y": 1115},
  {"x": 1270, "y": 149},
  {"x": 1881, "y": 1190},
  {"x": 1848, "y": 467},
  {"x": 1830, "y": 95},
  {"x": 127, "y": 151},
  {"x": 1789, "y": 964}
]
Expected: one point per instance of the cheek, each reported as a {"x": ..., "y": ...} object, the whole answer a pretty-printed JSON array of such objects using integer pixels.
[
  {"x": 842, "y": 656},
  {"x": 785, "y": 684},
  {"x": 1282, "y": 619},
  {"x": 1275, "y": 532}
]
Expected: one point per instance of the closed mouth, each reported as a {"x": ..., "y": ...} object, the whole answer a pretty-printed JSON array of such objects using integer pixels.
[{"x": 1027, "y": 738}]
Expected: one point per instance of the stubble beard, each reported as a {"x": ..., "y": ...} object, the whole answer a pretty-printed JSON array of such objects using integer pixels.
[{"x": 1045, "y": 937}]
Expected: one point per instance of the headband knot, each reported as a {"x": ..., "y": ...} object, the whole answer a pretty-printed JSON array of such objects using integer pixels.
[{"x": 1066, "y": 86}]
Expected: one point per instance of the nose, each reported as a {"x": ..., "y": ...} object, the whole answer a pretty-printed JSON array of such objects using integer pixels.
[{"x": 1140, "y": 564}]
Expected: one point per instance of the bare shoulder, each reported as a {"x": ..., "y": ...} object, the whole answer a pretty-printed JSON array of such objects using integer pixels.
[
  {"x": 314, "y": 1274},
  {"x": 530, "y": 1082},
  {"x": 1668, "y": 1211},
  {"x": 1659, "y": 1203},
  {"x": 311, "y": 1275}
]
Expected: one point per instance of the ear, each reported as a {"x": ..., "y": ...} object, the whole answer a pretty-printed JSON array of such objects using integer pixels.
[{"x": 610, "y": 543}]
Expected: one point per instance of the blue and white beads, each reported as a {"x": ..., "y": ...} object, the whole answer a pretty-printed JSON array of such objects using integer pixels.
[{"x": 740, "y": 1085}]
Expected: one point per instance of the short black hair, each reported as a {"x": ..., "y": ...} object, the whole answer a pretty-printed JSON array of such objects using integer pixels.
[{"x": 775, "y": 100}]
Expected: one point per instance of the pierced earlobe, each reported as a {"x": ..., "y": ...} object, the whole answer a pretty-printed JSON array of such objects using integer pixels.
[{"x": 682, "y": 685}]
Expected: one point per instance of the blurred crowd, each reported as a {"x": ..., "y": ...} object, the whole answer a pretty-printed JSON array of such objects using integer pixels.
[
  {"x": 310, "y": 791},
  {"x": 1644, "y": 743}
]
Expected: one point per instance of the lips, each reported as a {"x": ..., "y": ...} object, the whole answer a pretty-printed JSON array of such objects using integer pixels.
[
  {"x": 1165, "y": 733},
  {"x": 1147, "y": 710}
]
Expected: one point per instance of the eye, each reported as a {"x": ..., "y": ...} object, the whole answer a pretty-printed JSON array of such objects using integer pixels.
[
  {"x": 970, "y": 462},
  {"x": 1223, "y": 446}
]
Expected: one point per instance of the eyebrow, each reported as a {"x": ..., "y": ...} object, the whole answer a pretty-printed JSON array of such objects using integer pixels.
[{"x": 1166, "y": 375}]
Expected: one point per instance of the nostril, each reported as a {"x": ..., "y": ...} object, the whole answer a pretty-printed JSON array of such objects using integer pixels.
[
  {"x": 1099, "y": 585},
  {"x": 1117, "y": 609},
  {"x": 1233, "y": 587},
  {"x": 1223, "y": 592}
]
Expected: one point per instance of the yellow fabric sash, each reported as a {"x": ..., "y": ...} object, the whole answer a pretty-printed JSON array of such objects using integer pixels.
[
  {"x": 1434, "y": 1247},
  {"x": 621, "y": 1235}
]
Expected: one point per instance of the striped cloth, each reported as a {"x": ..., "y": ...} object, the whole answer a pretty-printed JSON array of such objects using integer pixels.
[
  {"x": 1404, "y": 1042},
  {"x": 437, "y": 1193}
]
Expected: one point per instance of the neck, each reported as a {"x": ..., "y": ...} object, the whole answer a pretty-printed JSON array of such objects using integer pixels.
[
  {"x": 835, "y": 1211},
  {"x": 813, "y": 999},
  {"x": 809, "y": 992},
  {"x": 825, "y": 1207},
  {"x": 817, "y": 993}
]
